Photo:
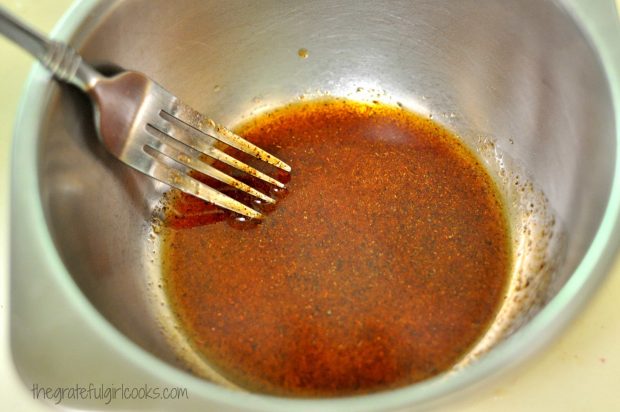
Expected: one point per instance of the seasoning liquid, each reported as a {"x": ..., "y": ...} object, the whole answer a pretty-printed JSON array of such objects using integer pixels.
[{"x": 383, "y": 264}]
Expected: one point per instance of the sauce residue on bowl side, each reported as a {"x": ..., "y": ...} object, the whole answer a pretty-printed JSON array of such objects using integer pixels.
[{"x": 382, "y": 266}]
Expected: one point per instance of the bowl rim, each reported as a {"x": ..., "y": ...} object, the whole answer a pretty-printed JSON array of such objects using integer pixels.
[{"x": 597, "y": 23}]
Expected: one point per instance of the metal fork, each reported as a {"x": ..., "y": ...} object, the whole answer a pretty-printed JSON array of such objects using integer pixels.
[{"x": 147, "y": 127}]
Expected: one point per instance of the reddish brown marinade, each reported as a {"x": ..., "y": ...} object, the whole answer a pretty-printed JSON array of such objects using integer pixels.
[{"x": 383, "y": 264}]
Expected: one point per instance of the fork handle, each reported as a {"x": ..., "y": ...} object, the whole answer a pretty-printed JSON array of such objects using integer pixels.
[{"x": 60, "y": 59}]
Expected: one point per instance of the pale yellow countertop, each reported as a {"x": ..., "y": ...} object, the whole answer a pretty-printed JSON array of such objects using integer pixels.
[{"x": 579, "y": 372}]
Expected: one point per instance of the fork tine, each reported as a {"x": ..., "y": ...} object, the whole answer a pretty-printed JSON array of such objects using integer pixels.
[
  {"x": 202, "y": 142},
  {"x": 207, "y": 126},
  {"x": 189, "y": 185},
  {"x": 192, "y": 161}
]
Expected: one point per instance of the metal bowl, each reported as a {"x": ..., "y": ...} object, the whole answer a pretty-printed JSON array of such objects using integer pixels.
[{"x": 539, "y": 81}]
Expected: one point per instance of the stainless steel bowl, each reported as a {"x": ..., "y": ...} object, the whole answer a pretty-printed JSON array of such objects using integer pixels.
[{"x": 540, "y": 80}]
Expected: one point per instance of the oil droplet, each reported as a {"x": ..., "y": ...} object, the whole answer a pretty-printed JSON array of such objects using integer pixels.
[
  {"x": 175, "y": 177},
  {"x": 303, "y": 53},
  {"x": 278, "y": 192},
  {"x": 262, "y": 206},
  {"x": 242, "y": 222},
  {"x": 183, "y": 158},
  {"x": 196, "y": 187}
]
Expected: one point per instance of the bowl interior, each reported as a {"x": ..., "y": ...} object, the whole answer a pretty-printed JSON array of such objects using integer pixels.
[{"x": 519, "y": 74}]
